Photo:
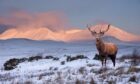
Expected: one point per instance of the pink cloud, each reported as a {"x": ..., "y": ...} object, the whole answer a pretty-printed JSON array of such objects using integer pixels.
[{"x": 53, "y": 20}]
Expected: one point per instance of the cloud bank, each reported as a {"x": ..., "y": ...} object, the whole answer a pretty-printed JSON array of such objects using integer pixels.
[{"x": 53, "y": 20}]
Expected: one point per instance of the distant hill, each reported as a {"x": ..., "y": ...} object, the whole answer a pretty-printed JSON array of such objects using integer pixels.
[{"x": 73, "y": 35}]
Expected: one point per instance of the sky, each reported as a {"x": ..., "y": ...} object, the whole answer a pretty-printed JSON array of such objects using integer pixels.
[{"x": 124, "y": 14}]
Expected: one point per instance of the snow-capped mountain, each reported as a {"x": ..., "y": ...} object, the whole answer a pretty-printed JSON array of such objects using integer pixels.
[{"x": 65, "y": 36}]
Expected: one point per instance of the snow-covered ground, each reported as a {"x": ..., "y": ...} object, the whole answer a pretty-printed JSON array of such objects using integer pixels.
[{"x": 48, "y": 71}]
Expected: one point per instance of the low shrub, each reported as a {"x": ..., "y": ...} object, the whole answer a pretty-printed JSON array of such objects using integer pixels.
[
  {"x": 69, "y": 58},
  {"x": 56, "y": 58},
  {"x": 134, "y": 57},
  {"x": 49, "y": 57},
  {"x": 77, "y": 81},
  {"x": 92, "y": 81},
  {"x": 11, "y": 64},
  {"x": 23, "y": 60},
  {"x": 63, "y": 62},
  {"x": 34, "y": 58},
  {"x": 133, "y": 69},
  {"x": 82, "y": 70},
  {"x": 132, "y": 79}
]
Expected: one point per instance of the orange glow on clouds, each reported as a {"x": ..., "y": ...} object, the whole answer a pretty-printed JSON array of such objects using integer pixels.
[{"x": 22, "y": 20}]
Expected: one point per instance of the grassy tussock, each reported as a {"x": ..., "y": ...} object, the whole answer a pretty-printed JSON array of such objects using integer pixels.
[{"x": 133, "y": 69}]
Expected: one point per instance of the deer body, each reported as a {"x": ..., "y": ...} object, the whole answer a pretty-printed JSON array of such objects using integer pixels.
[{"x": 105, "y": 49}]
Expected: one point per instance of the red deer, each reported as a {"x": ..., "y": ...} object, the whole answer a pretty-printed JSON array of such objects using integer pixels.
[{"x": 104, "y": 49}]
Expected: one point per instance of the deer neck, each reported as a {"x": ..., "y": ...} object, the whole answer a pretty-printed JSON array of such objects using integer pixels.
[{"x": 100, "y": 45}]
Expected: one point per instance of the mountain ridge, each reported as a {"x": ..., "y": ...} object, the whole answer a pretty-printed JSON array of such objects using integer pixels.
[{"x": 44, "y": 33}]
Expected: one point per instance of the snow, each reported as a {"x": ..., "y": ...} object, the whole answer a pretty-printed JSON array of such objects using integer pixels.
[{"x": 53, "y": 72}]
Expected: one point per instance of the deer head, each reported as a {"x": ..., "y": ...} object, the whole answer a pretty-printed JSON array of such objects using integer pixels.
[{"x": 100, "y": 33}]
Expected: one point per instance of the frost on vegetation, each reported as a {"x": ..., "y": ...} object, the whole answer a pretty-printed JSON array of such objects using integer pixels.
[{"x": 71, "y": 70}]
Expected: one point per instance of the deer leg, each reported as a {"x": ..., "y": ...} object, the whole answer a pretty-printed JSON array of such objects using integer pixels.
[
  {"x": 105, "y": 61},
  {"x": 114, "y": 60},
  {"x": 113, "y": 57},
  {"x": 102, "y": 60}
]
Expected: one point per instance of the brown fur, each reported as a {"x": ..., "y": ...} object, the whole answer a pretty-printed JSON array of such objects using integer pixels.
[{"x": 106, "y": 50}]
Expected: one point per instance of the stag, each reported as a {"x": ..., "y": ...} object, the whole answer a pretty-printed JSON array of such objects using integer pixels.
[{"x": 105, "y": 49}]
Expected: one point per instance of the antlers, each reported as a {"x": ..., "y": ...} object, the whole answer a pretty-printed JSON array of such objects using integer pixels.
[
  {"x": 98, "y": 26},
  {"x": 108, "y": 26},
  {"x": 92, "y": 32}
]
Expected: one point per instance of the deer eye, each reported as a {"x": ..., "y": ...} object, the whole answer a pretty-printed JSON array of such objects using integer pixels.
[{"x": 101, "y": 33}]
